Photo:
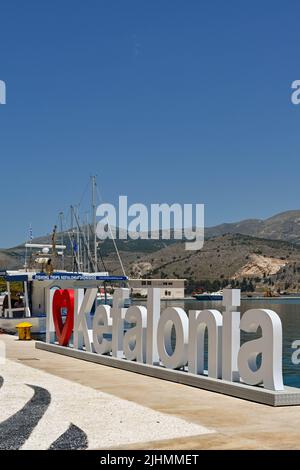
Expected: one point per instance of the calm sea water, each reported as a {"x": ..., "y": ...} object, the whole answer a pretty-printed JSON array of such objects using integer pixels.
[{"x": 289, "y": 311}]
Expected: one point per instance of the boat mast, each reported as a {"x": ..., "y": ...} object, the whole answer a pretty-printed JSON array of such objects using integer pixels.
[
  {"x": 87, "y": 225},
  {"x": 74, "y": 262},
  {"x": 78, "y": 237},
  {"x": 94, "y": 207},
  {"x": 26, "y": 266},
  {"x": 84, "y": 257},
  {"x": 54, "y": 234},
  {"x": 84, "y": 239},
  {"x": 61, "y": 219}
]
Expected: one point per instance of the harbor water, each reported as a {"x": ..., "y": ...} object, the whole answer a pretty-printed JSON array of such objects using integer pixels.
[{"x": 288, "y": 310}]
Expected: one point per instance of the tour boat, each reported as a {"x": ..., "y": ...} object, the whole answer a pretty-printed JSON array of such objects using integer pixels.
[
  {"x": 44, "y": 267},
  {"x": 33, "y": 305},
  {"x": 209, "y": 296},
  {"x": 33, "y": 280}
]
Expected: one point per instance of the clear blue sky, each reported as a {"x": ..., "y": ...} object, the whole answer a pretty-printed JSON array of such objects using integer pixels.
[{"x": 166, "y": 100}]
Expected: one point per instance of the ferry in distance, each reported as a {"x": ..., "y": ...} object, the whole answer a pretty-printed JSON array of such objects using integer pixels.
[{"x": 209, "y": 296}]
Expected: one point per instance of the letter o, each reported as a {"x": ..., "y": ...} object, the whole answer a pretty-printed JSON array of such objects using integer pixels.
[{"x": 177, "y": 317}]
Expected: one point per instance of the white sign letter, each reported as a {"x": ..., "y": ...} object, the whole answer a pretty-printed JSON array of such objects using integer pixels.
[
  {"x": 199, "y": 321},
  {"x": 231, "y": 335},
  {"x": 102, "y": 324},
  {"x": 82, "y": 307},
  {"x": 173, "y": 359},
  {"x": 269, "y": 346},
  {"x": 153, "y": 314},
  {"x": 118, "y": 314},
  {"x": 135, "y": 337}
]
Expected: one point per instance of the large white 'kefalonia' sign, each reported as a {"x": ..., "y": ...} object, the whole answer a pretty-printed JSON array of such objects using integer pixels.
[{"x": 149, "y": 339}]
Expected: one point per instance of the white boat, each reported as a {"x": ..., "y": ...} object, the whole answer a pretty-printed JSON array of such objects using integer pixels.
[
  {"x": 34, "y": 303},
  {"x": 209, "y": 296},
  {"x": 30, "y": 303}
]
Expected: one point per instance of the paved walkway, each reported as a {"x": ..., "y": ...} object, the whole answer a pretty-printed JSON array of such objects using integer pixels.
[{"x": 52, "y": 401}]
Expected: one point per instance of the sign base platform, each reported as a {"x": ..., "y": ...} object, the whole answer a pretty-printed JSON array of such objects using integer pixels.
[{"x": 288, "y": 397}]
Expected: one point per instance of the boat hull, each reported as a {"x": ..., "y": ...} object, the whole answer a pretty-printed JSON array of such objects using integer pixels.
[{"x": 208, "y": 297}]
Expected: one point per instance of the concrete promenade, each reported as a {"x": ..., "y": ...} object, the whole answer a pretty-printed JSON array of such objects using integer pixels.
[{"x": 86, "y": 405}]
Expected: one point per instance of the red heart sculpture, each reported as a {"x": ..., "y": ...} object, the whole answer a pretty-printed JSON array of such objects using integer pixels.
[{"x": 63, "y": 299}]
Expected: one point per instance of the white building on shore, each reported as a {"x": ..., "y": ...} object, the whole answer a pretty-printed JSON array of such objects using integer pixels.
[{"x": 170, "y": 288}]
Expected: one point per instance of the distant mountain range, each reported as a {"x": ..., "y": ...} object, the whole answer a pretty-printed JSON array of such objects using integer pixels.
[
  {"x": 268, "y": 250},
  {"x": 284, "y": 226}
]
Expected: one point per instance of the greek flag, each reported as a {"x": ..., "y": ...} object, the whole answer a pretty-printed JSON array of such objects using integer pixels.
[{"x": 30, "y": 233}]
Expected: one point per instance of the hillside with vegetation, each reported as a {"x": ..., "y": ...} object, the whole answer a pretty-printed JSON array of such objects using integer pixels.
[
  {"x": 252, "y": 255},
  {"x": 232, "y": 259}
]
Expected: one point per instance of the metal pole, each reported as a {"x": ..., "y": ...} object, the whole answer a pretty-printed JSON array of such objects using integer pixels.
[
  {"x": 61, "y": 218},
  {"x": 78, "y": 240},
  {"x": 87, "y": 226},
  {"x": 25, "y": 265},
  {"x": 10, "y": 313},
  {"x": 84, "y": 258},
  {"x": 73, "y": 238},
  {"x": 105, "y": 293},
  {"x": 94, "y": 184},
  {"x": 27, "y": 309},
  {"x": 72, "y": 218}
]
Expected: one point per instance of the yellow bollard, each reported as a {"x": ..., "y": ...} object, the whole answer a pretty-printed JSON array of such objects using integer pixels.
[{"x": 24, "y": 331}]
